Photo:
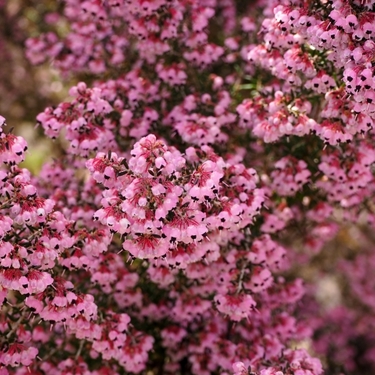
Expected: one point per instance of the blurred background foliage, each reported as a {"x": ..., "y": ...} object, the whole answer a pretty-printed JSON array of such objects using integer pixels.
[{"x": 25, "y": 89}]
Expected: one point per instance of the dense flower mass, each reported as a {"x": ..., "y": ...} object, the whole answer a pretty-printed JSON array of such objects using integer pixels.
[{"x": 211, "y": 209}]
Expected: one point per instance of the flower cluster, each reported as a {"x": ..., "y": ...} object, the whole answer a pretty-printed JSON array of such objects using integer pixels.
[{"x": 162, "y": 203}]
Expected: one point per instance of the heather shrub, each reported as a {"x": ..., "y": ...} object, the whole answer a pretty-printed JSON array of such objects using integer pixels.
[{"x": 210, "y": 210}]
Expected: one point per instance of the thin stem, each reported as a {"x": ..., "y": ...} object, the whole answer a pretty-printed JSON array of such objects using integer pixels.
[
  {"x": 240, "y": 281},
  {"x": 16, "y": 325},
  {"x": 79, "y": 349}
]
